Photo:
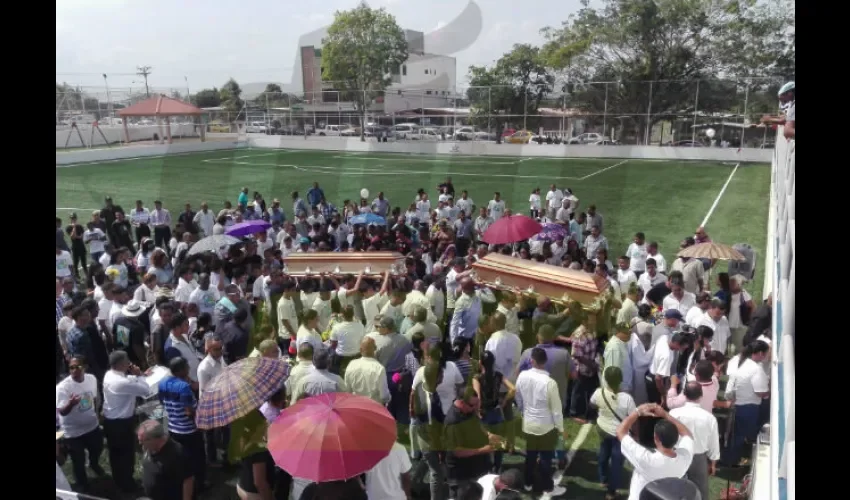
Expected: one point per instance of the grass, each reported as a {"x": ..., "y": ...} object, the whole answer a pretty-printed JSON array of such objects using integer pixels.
[
  {"x": 667, "y": 200},
  {"x": 664, "y": 199}
]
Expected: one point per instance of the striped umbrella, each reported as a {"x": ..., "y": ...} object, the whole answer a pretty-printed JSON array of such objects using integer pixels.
[
  {"x": 239, "y": 389},
  {"x": 711, "y": 250}
]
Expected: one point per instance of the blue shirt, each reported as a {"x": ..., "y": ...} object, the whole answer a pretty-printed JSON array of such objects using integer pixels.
[
  {"x": 242, "y": 199},
  {"x": 277, "y": 215},
  {"x": 176, "y": 396},
  {"x": 314, "y": 196},
  {"x": 79, "y": 343}
]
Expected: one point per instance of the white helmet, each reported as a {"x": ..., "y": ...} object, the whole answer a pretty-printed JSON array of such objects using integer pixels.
[{"x": 788, "y": 87}]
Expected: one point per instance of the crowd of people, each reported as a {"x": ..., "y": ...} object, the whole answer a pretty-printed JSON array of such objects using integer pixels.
[{"x": 457, "y": 364}]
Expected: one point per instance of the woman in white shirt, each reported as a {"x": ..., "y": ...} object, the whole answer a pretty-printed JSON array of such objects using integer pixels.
[
  {"x": 146, "y": 293},
  {"x": 534, "y": 203},
  {"x": 307, "y": 332},
  {"x": 613, "y": 406},
  {"x": 747, "y": 387}
]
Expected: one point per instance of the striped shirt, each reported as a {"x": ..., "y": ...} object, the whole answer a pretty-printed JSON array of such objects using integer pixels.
[
  {"x": 161, "y": 217},
  {"x": 176, "y": 397}
]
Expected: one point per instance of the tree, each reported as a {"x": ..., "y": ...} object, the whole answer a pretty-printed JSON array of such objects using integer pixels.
[
  {"x": 230, "y": 95},
  {"x": 207, "y": 98},
  {"x": 677, "y": 44},
  {"x": 362, "y": 49},
  {"x": 511, "y": 90}
]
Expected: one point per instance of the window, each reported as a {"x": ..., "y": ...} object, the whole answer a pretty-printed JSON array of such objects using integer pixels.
[
  {"x": 317, "y": 52},
  {"x": 404, "y": 70},
  {"x": 428, "y": 92},
  {"x": 426, "y": 71}
]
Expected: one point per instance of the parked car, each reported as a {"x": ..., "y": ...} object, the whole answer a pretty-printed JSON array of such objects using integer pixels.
[
  {"x": 350, "y": 132},
  {"x": 508, "y": 132},
  {"x": 333, "y": 130},
  {"x": 426, "y": 134},
  {"x": 521, "y": 137},
  {"x": 404, "y": 130},
  {"x": 588, "y": 138},
  {"x": 256, "y": 128},
  {"x": 606, "y": 142}
]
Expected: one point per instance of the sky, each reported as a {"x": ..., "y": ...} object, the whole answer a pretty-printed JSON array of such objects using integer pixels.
[{"x": 209, "y": 41}]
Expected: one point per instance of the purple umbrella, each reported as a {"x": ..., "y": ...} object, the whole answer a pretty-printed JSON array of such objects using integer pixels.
[
  {"x": 551, "y": 232},
  {"x": 247, "y": 228}
]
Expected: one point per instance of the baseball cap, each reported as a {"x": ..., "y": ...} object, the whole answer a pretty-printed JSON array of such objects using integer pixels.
[
  {"x": 304, "y": 240},
  {"x": 672, "y": 314}
]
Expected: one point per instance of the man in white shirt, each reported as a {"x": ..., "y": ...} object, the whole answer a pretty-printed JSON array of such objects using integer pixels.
[
  {"x": 482, "y": 222},
  {"x": 715, "y": 319},
  {"x": 674, "y": 449},
  {"x": 122, "y": 384},
  {"x": 539, "y": 401},
  {"x": 212, "y": 364},
  {"x": 204, "y": 220},
  {"x": 496, "y": 207},
  {"x": 703, "y": 427},
  {"x": 366, "y": 376},
  {"x": 637, "y": 254},
  {"x": 625, "y": 275},
  {"x": 652, "y": 253},
  {"x": 390, "y": 478},
  {"x": 76, "y": 402},
  {"x": 505, "y": 346},
  {"x": 696, "y": 313},
  {"x": 563, "y": 214},
  {"x": 465, "y": 203},
  {"x": 453, "y": 279},
  {"x": 663, "y": 365},
  {"x": 493, "y": 484},
  {"x": 679, "y": 298},
  {"x": 345, "y": 340},
  {"x": 554, "y": 200}
]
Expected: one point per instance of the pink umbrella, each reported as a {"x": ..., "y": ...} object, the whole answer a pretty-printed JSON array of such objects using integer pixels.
[
  {"x": 331, "y": 437},
  {"x": 511, "y": 229}
]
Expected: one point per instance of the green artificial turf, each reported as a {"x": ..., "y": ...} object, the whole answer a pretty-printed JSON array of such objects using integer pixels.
[{"x": 666, "y": 200}]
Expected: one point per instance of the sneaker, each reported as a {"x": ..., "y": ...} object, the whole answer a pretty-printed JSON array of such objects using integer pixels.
[
  {"x": 556, "y": 492},
  {"x": 557, "y": 477},
  {"x": 528, "y": 488}
]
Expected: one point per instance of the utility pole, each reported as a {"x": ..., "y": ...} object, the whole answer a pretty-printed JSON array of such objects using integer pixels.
[{"x": 144, "y": 71}]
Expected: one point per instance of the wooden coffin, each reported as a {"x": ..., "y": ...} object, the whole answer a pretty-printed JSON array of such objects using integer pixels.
[
  {"x": 370, "y": 263},
  {"x": 559, "y": 284}
]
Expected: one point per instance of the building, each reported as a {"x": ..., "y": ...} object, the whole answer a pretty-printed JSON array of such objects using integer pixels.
[{"x": 423, "y": 81}]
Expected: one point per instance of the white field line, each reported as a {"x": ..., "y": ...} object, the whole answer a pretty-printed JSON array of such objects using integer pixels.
[
  {"x": 602, "y": 170},
  {"x": 134, "y": 158},
  {"x": 282, "y": 151},
  {"x": 436, "y": 160},
  {"x": 371, "y": 171},
  {"x": 577, "y": 442},
  {"x": 719, "y": 195},
  {"x": 525, "y": 160}
]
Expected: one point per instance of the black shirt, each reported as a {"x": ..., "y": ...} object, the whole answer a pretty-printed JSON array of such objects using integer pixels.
[
  {"x": 122, "y": 231},
  {"x": 157, "y": 343},
  {"x": 465, "y": 432},
  {"x": 188, "y": 221},
  {"x": 657, "y": 293},
  {"x": 163, "y": 473},
  {"x": 759, "y": 322},
  {"x": 76, "y": 231},
  {"x": 129, "y": 335},
  {"x": 99, "y": 364},
  {"x": 235, "y": 341},
  {"x": 246, "y": 474}
]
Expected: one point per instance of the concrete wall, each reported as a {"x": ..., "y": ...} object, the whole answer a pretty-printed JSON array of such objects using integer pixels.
[
  {"x": 128, "y": 152},
  {"x": 492, "y": 149},
  {"x": 115, "y": 134}
]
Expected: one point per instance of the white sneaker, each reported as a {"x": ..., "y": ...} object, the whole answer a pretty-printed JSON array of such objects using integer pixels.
[
  {"x": 557, "y": 477},
  {"x": 556, "y": 492},
  {"x": 528, "y": 488}
]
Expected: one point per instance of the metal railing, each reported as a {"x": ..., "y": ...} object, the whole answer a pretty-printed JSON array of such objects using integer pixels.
[{"x": 780, "y": 281}]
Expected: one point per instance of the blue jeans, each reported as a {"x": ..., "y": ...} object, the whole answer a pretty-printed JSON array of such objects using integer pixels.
[
  {"x": 610, "y": 473},
  {"x": 746, "y": 427},
  {"x": 544, "y": 448}
]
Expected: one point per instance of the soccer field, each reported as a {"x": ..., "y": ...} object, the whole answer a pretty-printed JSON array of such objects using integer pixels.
[{"x": 667, "y": 200}]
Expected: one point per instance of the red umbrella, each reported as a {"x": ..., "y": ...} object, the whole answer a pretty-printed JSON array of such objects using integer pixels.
[
  {"x": 511, "y": 229},
  {"x": 331, "y": 437}
]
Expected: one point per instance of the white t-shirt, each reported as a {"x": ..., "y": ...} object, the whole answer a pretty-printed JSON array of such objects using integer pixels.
[
  {"x": 488, "y": 485},
  {"x": 424, "y": 209},
  {"x": 555, "y": 199},
  {"x": 383, "y": 482},
  {"x": 94, "y": 237},
  {"x": 534, "y": 201},
  {"x": 83, "y": 418},
  {"x": 623, "y": 405},
  {"x": 447, "y": 389},
  {"x": 637, "y": 254},
  {"x": 662, "y": 357},
  {"x": 625, "y": 279},
  {"x": 64, "y": 263},
  {"x": 734, "y": 316},
  {"x": 650, "y": 465},
  {"x": 348, "y": 336},
  {"x": 748, "y": 380},
  {"x": 496, "y": 208},
  {"x": 372, "y": 307}
]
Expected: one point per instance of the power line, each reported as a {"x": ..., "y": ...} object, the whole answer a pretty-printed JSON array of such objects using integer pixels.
[{"x": 144, "y": 71}]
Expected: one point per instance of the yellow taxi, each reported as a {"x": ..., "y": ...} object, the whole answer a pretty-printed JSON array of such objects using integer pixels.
[{"x": 519, "y": 137}]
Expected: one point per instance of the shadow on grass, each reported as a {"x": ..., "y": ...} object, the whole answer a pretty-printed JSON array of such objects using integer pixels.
[{"x": 583, "y": 474}]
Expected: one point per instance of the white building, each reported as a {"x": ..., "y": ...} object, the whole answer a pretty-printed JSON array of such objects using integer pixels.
[{"x": 424, "y": 80}]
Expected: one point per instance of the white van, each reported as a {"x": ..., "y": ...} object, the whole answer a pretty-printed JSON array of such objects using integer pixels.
[
  {"x": 333, "y": 130},
  {"x": 405, "y": 130}
]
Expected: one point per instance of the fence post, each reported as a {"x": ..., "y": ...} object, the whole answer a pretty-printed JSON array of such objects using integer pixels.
[
  {"x": 696, "y": 107},
  {"x": 746, "y": 117},
  {"x": 489, "y": 108},
  {"x": 525, "y": 111},
  {"x": 648, "y": 115},
  {"x": 605, "y": 113}
]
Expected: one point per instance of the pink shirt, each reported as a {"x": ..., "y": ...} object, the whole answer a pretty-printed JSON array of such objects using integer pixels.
[{"x": 709, "y": 395}]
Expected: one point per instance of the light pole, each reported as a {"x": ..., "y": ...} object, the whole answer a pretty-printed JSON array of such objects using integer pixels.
[
  {"x": 186, "y": 79},
  {"x": 109, "y": 108}
]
